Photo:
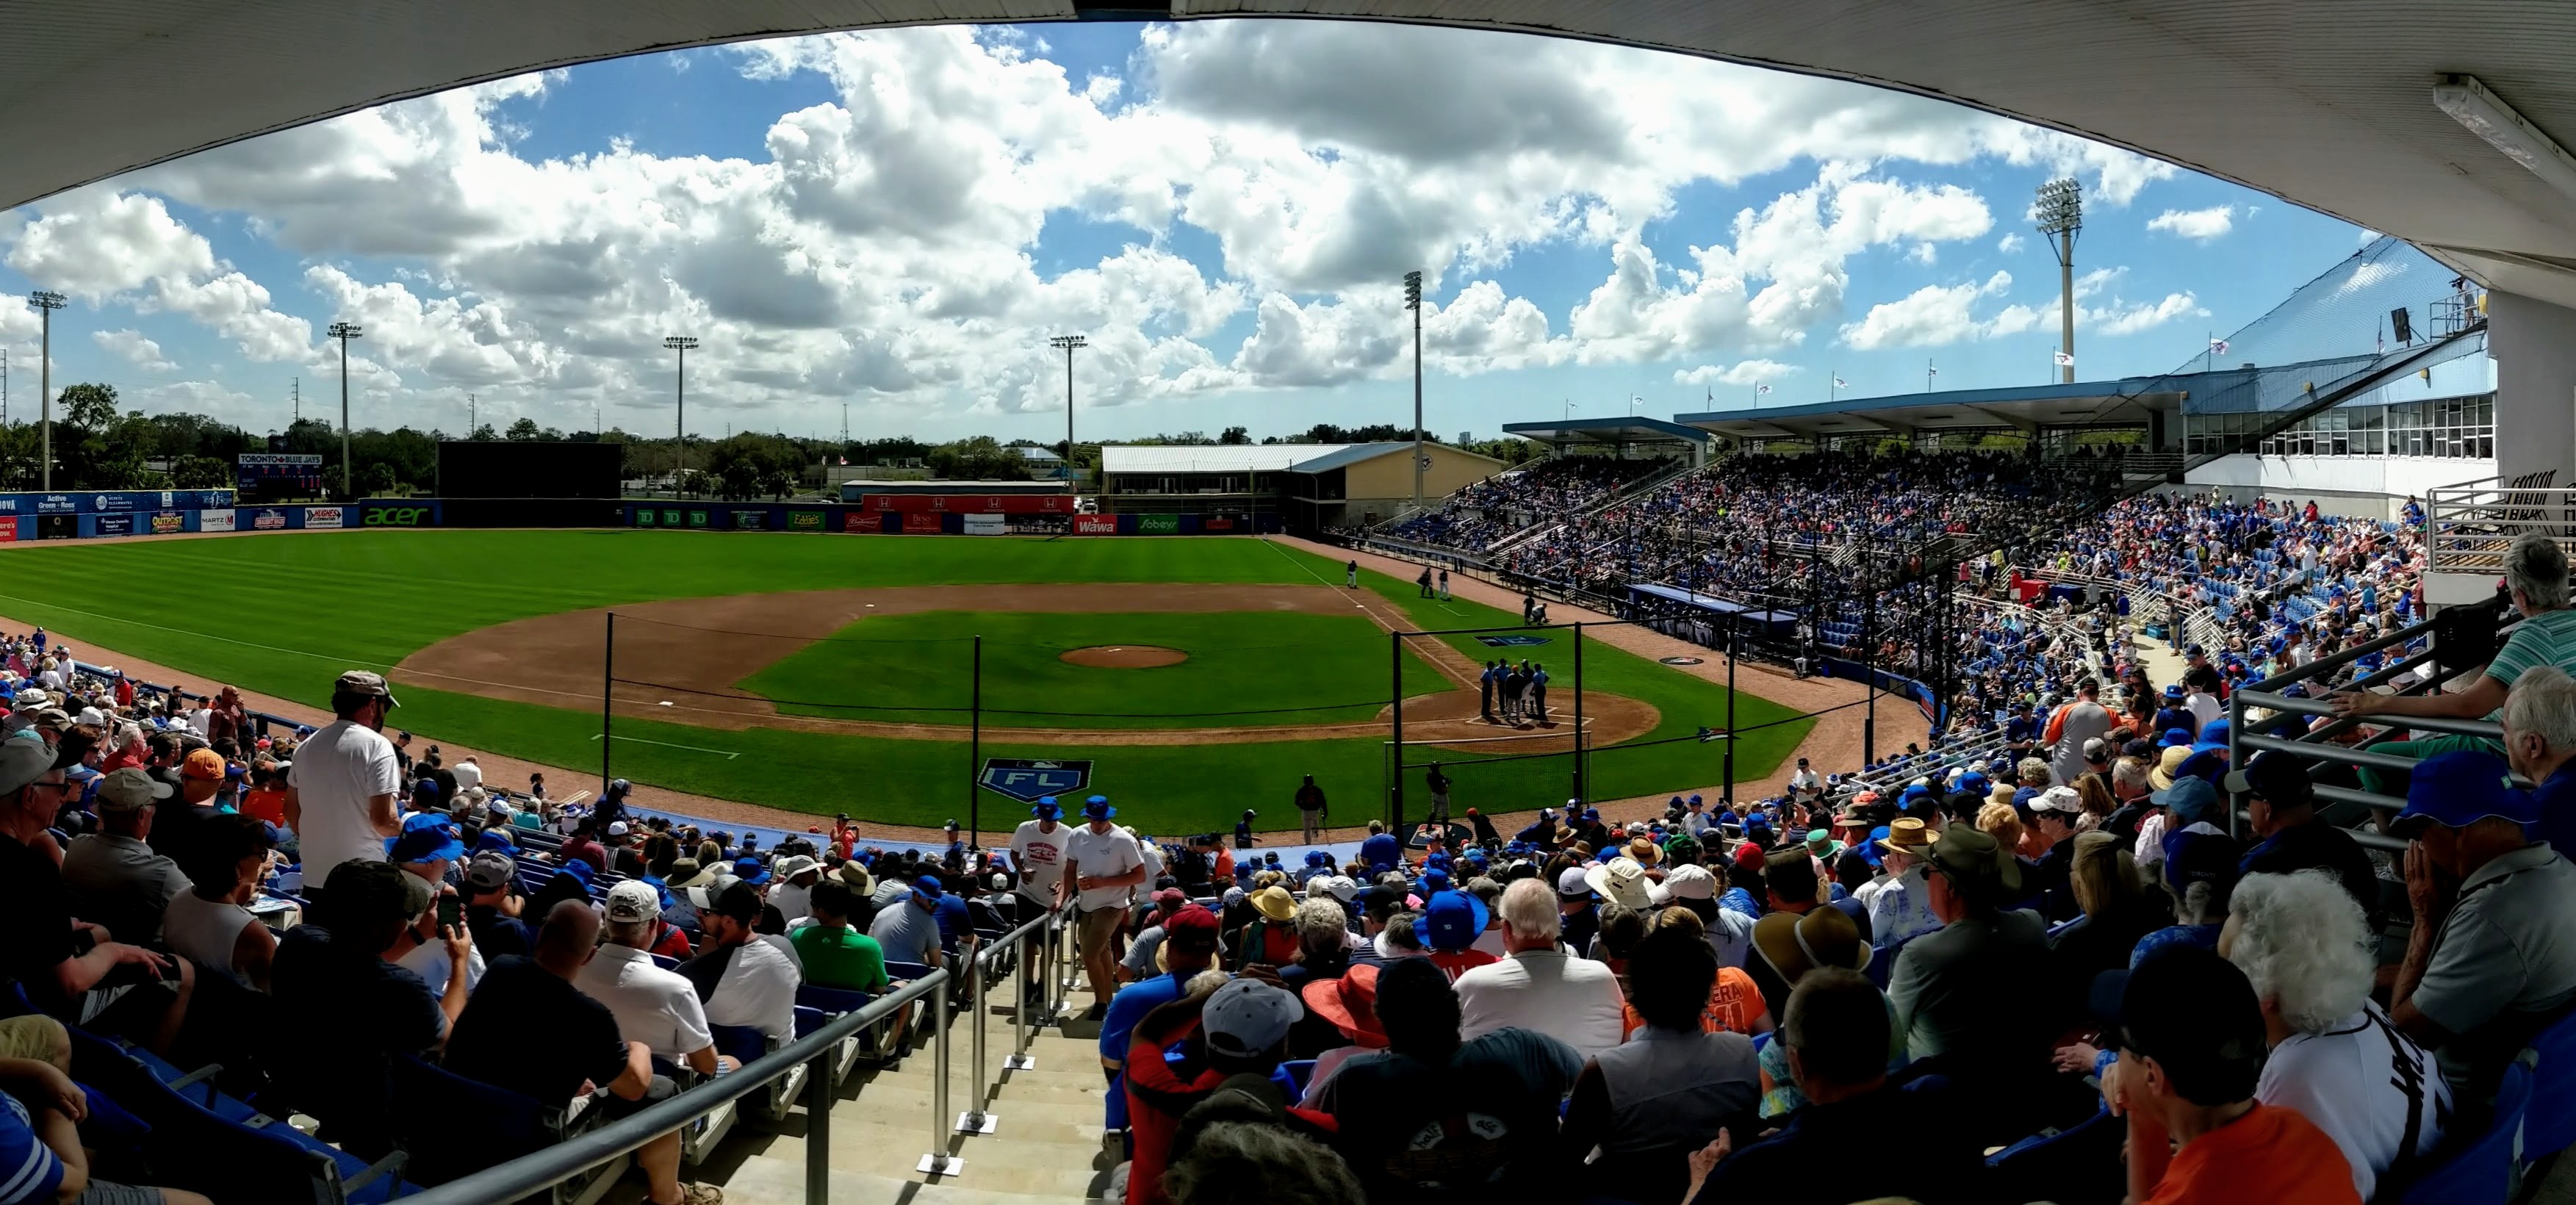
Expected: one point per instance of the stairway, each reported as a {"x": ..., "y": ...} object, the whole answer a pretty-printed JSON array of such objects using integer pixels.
[{"x": 1046, "y": 1147}]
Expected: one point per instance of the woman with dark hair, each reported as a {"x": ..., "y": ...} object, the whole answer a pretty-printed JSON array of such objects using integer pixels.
[{"x": 1648, "y": 1103}]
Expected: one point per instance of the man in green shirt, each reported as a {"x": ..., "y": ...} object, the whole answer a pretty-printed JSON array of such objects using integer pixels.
[
  {"x": 836, "y": 955},
  {"x": 2535, "y": 569}
]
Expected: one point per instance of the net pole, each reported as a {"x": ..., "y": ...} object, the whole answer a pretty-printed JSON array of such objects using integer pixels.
[
  {"x": 1578, "y": 710},
  {"x": 975, "y": 737},
  {"x": 1726, "y": 790},
  {"x": 607, "y": 697},
  {"x": 1395, "y": 672}
]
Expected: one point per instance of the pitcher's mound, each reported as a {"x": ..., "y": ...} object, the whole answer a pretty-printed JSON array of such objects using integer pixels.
[{"x": 1123, "y": 656}]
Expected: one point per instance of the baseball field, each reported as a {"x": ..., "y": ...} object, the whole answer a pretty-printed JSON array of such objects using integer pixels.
[{"x": 821, "y": 674}]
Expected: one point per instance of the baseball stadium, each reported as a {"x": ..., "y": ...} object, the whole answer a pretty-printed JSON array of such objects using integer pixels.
[{"x": 1277, "y": 693}]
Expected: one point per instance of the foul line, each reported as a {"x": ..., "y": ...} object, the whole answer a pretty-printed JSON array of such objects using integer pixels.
[
  {"x": 668, "y": 745},
  {"x": 1356, "y": 605}
]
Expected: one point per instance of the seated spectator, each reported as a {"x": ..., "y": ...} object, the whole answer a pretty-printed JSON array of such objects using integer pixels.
[
  {"x": 1899, "y": 910},
  {"x": 1539, "y": 987},
  {"x": 2192, "y": 1045},
  {"x": 1836, "y": 1034},
  {"x": 1349, "y": 1005},
  {"x": 2053, "y": 816},
  {"x": 1139, "y": 960},
  {"x": 40, "y": 1112},
  {"x": 1185, "y": 1050},
  {"x": 2104, "y": 881},
  {"x": 1436, "y": 1119},
  {"x": 652, "y": 1005},
  {"x": 1271, "y": 937},
  {"x": 832, "y": 953},
  {"x": 908, "y": 929},
  {"x": 1323, "y": 943},
  {"x": 2199, "y": 873},
  {"x": 2308, "y": 952},
  {"x": 585, "y": 846},
  {"x": 427, "y": 847},
  {"x": 1964, "y": 992},
  {"x": 2540, "y": 744},
  {"x": 1787, "y": 945},
  {"x": 797, "y": 875},
  {"x": 582, "y": 1049},
  {"x": 1213, "y": 1159},
  {"x": 72, "y": 970},
  {"x": 1452, "y": 922},
  {"x": 1649, "y": 1103},
  {"x": 2490, "y": 961},
  {"x": 740, "y": 979},
  {"x": 114, "y": 877},
  {"x": 493, "y": 905},
  {"x": 1188, "y": 947},
  {"x": 1734, "y": 1002},
  {"x": 2281, "y": 807},
  {"x": 344, "y": 1009},
  {"x": 211, "y": 924},
  {"x": 201, "y": 778}
]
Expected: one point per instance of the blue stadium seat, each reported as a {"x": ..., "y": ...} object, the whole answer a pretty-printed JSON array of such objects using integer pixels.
[
  {"x": 191, "y": 1146},
  {"x": 2079, "y": 1165},
  {"x": 2551, "y": 1126},
  {"x": 2481, "y": 1171},
  {"x": 1292, "y": 1078}
]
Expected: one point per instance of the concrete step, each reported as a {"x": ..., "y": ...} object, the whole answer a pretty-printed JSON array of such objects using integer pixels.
[{"x": 762, "y": 1180}]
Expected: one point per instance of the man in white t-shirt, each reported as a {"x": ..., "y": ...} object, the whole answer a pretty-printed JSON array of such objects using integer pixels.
[
  {"x": 1037, "y": 852},
  {"x": 1102, "y": 867},
  {"x": 1540, "y": 988},
  {"x": 652, "y": 1005},
  {"x": 468, "y": 774},
  {"x": 749, "y": 982},
  {"x": 343, "y": 792},
  {"x": 1805, "y": 786}
]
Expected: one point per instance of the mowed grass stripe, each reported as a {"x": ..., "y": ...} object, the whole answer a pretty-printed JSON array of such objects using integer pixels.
[{"x": 1245, "y": 669}]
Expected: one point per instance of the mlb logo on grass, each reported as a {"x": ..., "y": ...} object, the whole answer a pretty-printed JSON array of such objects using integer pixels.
[{"x": 1029, "y": 780}]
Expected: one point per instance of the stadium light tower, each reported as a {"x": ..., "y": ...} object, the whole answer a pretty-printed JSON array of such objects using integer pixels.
[
  {"x": 345, "y": 331},
  {"x": 680, "y": 408},
  {"x": 45, "y": 302},
  {"x": 1068, "y": 343},
  {"x": 1413, "y": 302},
  {"x": 2060, "y": 211}
]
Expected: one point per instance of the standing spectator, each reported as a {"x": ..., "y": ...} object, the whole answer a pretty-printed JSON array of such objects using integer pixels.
[
  {"x": 1037, "y": 853},
  {"x": 740, "y": 979},
  {"x": 1443, "y": 1119},
  {"x": 1836, "y": 1031},
  {"x": 1652, "y": 1101},
  {"x": 833, "y": 954},
  {"x": 113, "y": 876},
  {"x": 344, "y": 1009},
  {"x": 226, "y": 718},
  {"x": 1102, "y": 867},
  {"x": 2491, "y": 961},
  {"x": 582, "y": 1046},
  {"x": 2077, "y": 722},
  {"x": 2191, "y": 1055},
  {"x": 1310, "y": 808},
  {"x": 1539, "y": 987},
  {"x": 211, "y": 924},
  {"x": 342, "y": 791},
  {"x": 652, "y": 1005},
  {"x": 72, "y": 970},
  {"x": 2309, "y": 954}
]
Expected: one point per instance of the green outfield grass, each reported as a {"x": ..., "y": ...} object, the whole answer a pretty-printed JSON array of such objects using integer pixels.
[
  {"x": 284, "y": 614},
  {"x": 1244, "y": 668}
]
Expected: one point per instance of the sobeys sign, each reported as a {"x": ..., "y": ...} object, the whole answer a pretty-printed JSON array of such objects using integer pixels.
[{"x": 1158, "y": 525}]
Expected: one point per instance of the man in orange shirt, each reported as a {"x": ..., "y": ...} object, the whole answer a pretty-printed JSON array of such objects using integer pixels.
[{"x": 2191, "y": 1048}]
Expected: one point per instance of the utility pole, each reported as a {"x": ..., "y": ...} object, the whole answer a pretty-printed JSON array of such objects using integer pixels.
[
  {"x": 1068, "y": 343},
  {"x": 680, "y": 407},
  {"x": 345, "y": 331},
  {"x": 469, "y": 416},
  {"x": 2061, "y": 218},
  {"x": 45, "y": 302},
  {"x": 4, "y": 387},
  {"x": 1413, "y": 302},
  {"x": 295, "y": 393}
]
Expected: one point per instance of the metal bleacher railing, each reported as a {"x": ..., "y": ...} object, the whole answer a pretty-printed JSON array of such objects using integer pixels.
[
  {"x": 2469, "y": 525},
  {"x": 817, "y": 1052},
  {"x": 2289, "y": 728}
]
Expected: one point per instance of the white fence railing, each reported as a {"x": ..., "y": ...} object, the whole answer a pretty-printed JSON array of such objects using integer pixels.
[{"x": 2469, "y": 525}]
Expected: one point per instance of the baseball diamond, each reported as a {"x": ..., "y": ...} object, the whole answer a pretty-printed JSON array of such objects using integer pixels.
[{"x": 825, "y": 675}]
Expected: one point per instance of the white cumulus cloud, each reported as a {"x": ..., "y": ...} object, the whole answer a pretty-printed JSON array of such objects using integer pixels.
[
  {"x": 134, "y": 349},
  {"x": 1742, "y": 372},
  {"x": 2198, "y": 225}
]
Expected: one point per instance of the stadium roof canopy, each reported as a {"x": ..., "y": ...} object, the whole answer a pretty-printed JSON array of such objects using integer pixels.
[
  {"x": 1238, "y": 458},
  {"x": 2324, "y": 102},
  {"x": 2084, "y": 403},
  {"x": 1606, "y": 431}
]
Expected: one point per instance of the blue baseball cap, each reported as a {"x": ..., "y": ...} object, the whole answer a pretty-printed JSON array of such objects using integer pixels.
[
  {"x": 2174, "y": 738},
  {"x": 426, "y": 837},
  {"x": 2213, "y": 735},
  {"x": 2456, "y": 790},
  {"x": 1869, "y": 850},
  {"x": 1047, "y": 808},
  {"x": 1453, "y": 920},
  {"x": 1696, "y": 799},
  {"x": 579, "y": 868},
  {"x": 750, "y": 870},
  {"x": 1975, "y": 783},
  {"x": 2192, "y": 800},
  {"x": 2022, "y": 798},
  {"x": 496, "y": 839},
  {"x": 2174, "y": 691},
  {"x": 926, "y": 886},
  {"x": 1317, "y": 857},
  {"x": 1097, "y": 808},
  {"x": 1433, "y": 882},
  {"x": 2199, "y": 858}
]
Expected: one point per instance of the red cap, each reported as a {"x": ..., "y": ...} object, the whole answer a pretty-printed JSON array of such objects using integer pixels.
[{"x": 1191, "y": 928}]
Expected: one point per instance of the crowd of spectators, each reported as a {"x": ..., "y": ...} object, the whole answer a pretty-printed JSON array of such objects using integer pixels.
[{"x": 1476, "y": 517}]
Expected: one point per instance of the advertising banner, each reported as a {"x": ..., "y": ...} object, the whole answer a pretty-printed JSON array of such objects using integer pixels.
[
  {"x": 750, "y": 520},
  {"x": 862, "y": 521},
  {"x": 169, "y": 522},
  {"x": 1218, "y": 523},
  {"x": 322, "y": 516},
  {"x": 8, "y": 531},
  {"x": 57, "y": 527},
  {"x": 982, "y": 504},
  {"x": 214, "y": 520},
  {"x": 644, "y": 516},
  {"x": 272, "y": 518},
  {"x": 986, "y": 525},
  {"x": 1158, "y": 525},
  {"x": 116, "y": 525},
  {"x": 106, "y": 503},
  {"x": 57, "y": 504},
  {"x": 396, "y": 514},
  {"x": 1095, "y": 525},
  {"x": 670, "y": 518},
  {"x": 697, "y": 518},
  {"x": 920, "y": 523},
  {"x": 804, "y": 520}
]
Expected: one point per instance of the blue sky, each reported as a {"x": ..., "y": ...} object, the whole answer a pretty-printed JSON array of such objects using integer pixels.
[{"x": 896, "y": 222}]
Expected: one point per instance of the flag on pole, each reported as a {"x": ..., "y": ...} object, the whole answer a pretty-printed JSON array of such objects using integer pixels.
[
  {"x": 1840, "y": 383},
  {"x": 2066, "y": 359},
  {"x": 1759, "y": 390},
  {"x": 1930, "y": 371},
  {"x": 2218, "y": 347}
]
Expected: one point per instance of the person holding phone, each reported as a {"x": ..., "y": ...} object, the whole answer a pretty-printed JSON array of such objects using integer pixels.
[
  {"x": 427, "y": 847},
  {"x": 345, "y": 1004}
]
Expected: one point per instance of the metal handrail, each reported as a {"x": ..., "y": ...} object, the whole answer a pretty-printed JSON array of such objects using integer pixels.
[{"x": 561, "y": 1161}]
